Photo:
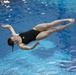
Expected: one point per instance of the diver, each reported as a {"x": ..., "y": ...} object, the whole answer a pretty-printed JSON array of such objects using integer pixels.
[{"x": 39, "y": 32}]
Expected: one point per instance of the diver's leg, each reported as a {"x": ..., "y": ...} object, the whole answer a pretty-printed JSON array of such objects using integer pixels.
[
  {"x": 57, "y": 22},
  {"x": 42, "y": 27},
  {"x": 48, "y": 32},
  {"x": 46, "y": 26}
]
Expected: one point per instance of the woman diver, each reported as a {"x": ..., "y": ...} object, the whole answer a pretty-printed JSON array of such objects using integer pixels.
[{"x": 39, "y": 32}]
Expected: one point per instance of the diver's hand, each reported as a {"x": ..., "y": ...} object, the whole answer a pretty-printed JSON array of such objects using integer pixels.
[
  {"x": 37, "y": 42},
  {"x": 5, "y": 26},
  {"x": 32, "y": 47}
]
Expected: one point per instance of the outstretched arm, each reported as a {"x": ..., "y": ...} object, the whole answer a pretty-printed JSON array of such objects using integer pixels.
[
  {"x": 10, "y": 28},
  {"x": 24, "y": 47}
]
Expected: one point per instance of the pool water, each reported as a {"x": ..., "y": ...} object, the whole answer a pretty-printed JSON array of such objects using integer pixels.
[{"x": 55, "y": 55}]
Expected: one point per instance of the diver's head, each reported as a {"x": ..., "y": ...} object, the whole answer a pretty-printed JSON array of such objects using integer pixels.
[{"x": 11, "y": 42}]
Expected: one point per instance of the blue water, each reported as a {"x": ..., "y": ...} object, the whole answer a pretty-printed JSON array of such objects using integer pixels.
[{"x": 55, "y": 55}]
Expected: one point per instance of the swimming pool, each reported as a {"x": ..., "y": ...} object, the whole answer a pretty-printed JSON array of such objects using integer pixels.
[{"x": 55, "y": 55}]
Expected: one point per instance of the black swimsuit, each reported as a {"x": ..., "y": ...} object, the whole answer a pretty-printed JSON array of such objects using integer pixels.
[{"x": 29, "y": 36}]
